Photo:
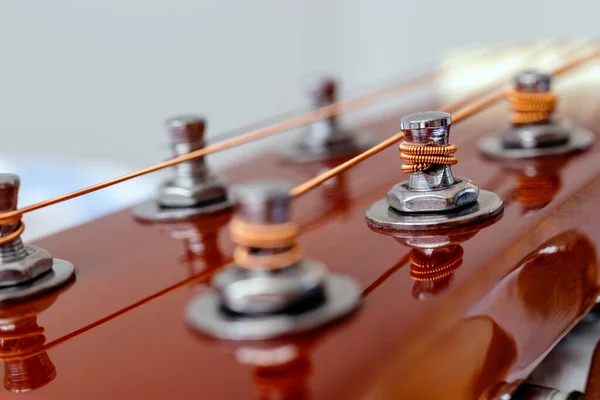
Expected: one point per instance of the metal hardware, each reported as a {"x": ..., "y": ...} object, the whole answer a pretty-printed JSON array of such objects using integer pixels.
[
  {"x": 325, "y": 139},
  {"x": 544, "y": 138},
  {"x": 435, "y": 254},
  {"x": 192, "y": 190},
  {"x": 432, "y": 198},
  {"x": 381, "y": 215},
  {"x": 253, "y": 292},
  {"x": 205, "y": 314},
  {"x": 434, "y": 189},
  {"x": 249, "y": 302},
  {"x": 265, "y": 202},
  {"x": 580, "y": 140},
  {"x": 25, "y": 271}
]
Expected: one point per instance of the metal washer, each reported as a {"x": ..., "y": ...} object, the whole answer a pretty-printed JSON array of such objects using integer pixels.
[
  {"x": 581, "y": 139},
  {"x": 62, "y": 271},
  {"x": 342, "y": 296},
  {"x": 303, "y": 154},
  {"x": 150, "y": 210},
  {"x": 382, "y": 217}
]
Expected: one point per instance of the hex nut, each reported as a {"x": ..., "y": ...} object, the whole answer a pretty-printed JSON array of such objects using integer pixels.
[
  {"x": 174, "y": 192},
  {"x": 37, "y": 262},
  {"x": 459, "y": 194}
]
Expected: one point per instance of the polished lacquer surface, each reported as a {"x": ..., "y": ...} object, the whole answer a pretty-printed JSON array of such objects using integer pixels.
[{"x": 517, "y": 285}]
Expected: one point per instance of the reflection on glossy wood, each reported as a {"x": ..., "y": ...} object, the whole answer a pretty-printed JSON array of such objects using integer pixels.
[
  {"x": 27, "y": 365},
  {"x": 525, "y": 314},
  {"x": 470, "y": 338}
]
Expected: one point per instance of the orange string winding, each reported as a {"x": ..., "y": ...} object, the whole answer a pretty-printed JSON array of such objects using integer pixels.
[
  {"x": 12, "y": 236},
  {"x": 529, "y": 108},
  {"x": 245, "y": 259},
  {"x": 265, "y": 236},
  {"x": 419, "y": 157}
]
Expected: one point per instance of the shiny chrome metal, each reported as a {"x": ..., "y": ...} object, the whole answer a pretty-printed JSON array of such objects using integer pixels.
[
  {"x": 18, "y": 263},
  {"x": 256, "y": 303},
  {"x": 461, "y": 193},
  {"x": 61, "y": 273},
  {"x": 192, "y": 190},
  {"x": 25, "y": 270},
  {"x": 423, "y": 128},
  {"x": 533, "y": 82},
  {"x": 254, "y": 291},
  {"x": 341, "y": 297},
  {"x": 434, "y": 198},
  {"x": 14, "y": 250},
  {"x": 535, "y": 136},
  {"x": 263, "y": 202},
  {"x": 580, "y": 140},
  {"x": 550, "y": 137},
  {"x": 325, "y": 139},
  {"x": 381, "y": 216},
  {"x": 435, "y": 189},
  {"x": 423, "y": 120}
]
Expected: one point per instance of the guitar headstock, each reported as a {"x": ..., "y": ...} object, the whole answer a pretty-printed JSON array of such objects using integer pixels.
[{"x": 448, "y": 269}]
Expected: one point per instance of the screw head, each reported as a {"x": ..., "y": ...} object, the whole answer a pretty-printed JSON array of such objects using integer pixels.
[
  {"x": 263, "y": 202},
  {"x": 321, "y": 90},
  {"x": 9, "y": 192},
  {"x": 425, "y": 119},
  {"x": 186, "y": 128},
  {"x": 533, "y": 82}
]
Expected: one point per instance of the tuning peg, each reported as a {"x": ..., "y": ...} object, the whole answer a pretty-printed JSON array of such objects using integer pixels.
[
  {"x": 325, "y": 139},
  {"x": 432, "y": 198},
  {"x": 25, "y": 271},
  {"x": 321, "y": 90},
  {"x": 534, "y": 131},
  {"x": 186, "y": 129},
  {"x": 192, "y": 190},
  {"x": 271, "y": 286}
]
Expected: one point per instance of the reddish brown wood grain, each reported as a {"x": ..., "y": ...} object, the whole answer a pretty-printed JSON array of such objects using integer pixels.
[{"x": 525, "y": 280}]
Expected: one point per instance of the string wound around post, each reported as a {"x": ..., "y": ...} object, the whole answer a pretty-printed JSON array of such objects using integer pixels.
[
  {"x": 25, "y": 271},
  {"x": 325, "y": 139},
  {"x": 432, "y": 198},
  {"x": 192, "y": 190},
  {"x": 534, "y": 130},
  {"x": 271, "y": 289}
]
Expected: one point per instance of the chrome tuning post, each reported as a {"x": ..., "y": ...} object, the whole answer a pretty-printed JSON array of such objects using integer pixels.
[
  {"x": 25, "y": 271},
  {"x": 271, "y": 289},
  {"x": 192, "y": 190},
  {"x": 325, "y": 139},
  {"x": 432, "y": 198},
  {"x": 534, "y": 130}
]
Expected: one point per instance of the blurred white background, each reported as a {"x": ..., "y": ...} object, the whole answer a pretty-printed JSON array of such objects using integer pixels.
[{"x": 87, "y": 84}]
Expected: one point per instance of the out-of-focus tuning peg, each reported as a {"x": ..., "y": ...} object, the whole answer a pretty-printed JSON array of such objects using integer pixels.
[
  {"x": 192, "y": 190},
  {"x": 325, "y": 139}
]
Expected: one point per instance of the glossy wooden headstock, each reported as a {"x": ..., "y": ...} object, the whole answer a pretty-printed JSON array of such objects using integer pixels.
[{"x": 515, "y": 287}]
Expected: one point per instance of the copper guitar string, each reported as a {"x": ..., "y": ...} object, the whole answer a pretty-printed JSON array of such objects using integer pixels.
[
  {"x": 528, "y": 108},
  {"x": 270, "y": 130},
  {"x": 278, "y": 127},
  {"x": 419, "y": 157},
  {"x": 369, "y": 97},
  {"x": 278, "y": 237},
  {"x": 458, "y": 116}
]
